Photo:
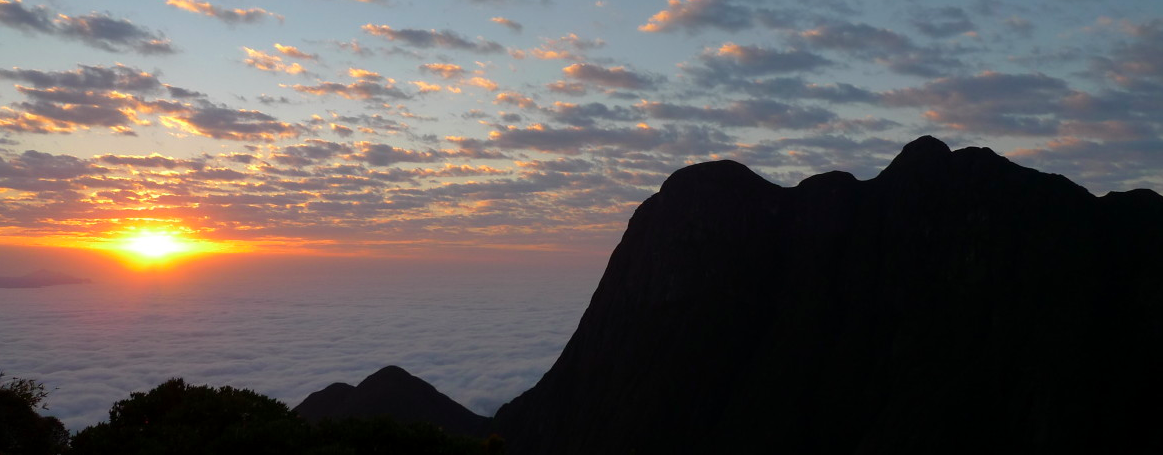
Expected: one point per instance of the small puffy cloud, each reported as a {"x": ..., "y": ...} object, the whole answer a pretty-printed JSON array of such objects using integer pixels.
[
  {"x": 267, "y": 62},
  {"x": 618, "y": 77},
  {"x": 477, "y": 81},
  {"x": 569, "y": 47},
  {"x": 363, "y": 89},
  {"x": 514, "y": 26},
  {"x": 446, "y": 39},
  {"x": 94, "y": 29},
  {"x": 294, "y": 52},
  {"x": 229, "y": 16},
  {"x": 444, "y": 70},
  {"x": 341, "y": 130},
  {"x": 515, "y": 99},
  {"x": 425, "y": 87},
  {"x": 364, "y": 74},
  {"x": 567, "y": 88},
  {"x": 697, "y": 14}
]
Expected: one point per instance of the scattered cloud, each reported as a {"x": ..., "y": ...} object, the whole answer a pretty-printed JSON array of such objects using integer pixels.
[
  {"x": 119, "y": 77},
  {"x": 363, "y": 89},
  {"x": 229, "y": 16},
  {"x": 514, "y": 26},
  {"x": 232, "y": 124},
  {"x": 94, "y": 29},
  {"x": 693, "y": 15},
  {"x": 732, "y": 62},
  {"x": 749, "y": 113},
  {"x": 617, "y": 77},
  {"x": 942, "y": 22},
  {"x": 446, "y": 39},
  {"x": 989, "y": 102},
  {"x": 294, "y": 52},
  {"x": 444, "y": 70},
  {"x": 267, "y": 62},
  {"x": 885, "y": 47}
]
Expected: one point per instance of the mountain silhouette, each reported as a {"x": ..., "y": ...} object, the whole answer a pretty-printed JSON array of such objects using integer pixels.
[
  {"x": 955, "y": 303},
  {"x": 395, "y": 393}
]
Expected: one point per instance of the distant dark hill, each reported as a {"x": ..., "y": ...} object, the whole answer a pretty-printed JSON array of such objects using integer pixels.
[
  {"x": 39, "y": 279},
  {"x": 396, "y": 393},
  {"x": 956, "y": 303}
]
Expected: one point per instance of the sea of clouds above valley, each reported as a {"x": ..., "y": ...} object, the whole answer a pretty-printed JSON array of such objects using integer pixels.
[{"x": 482, "y": 339}]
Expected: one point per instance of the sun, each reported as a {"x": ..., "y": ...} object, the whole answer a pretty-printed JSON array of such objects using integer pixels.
[{"x": 154, "y": 246}]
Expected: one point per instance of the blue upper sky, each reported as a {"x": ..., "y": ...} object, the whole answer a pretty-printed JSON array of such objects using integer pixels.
[{"x": 411, "y": 125}]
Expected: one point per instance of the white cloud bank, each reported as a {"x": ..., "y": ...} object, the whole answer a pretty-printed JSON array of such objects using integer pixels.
[{"x": 482, "y": 339}]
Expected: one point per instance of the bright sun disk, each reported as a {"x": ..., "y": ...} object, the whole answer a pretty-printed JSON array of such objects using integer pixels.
[{"x": 154, "y": 245}]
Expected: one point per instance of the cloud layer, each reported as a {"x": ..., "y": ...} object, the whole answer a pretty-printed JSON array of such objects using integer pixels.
[{"x": 481, "y": 338}]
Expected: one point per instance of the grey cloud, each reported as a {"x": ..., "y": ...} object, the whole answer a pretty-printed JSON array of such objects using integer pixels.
[
  {"x": 430, "y": 38},
  {"x": 694, "y": 15},
  {"x": 558, "y": 165},
  {"x": 82, "y": 114},
  {"x": 310, "y": 151},
  {"x": 384, "y": 155},
  {"x": 567, "y": 88},
  {"x": 675, "y": 140},
  {"x": 178, "y": 92},
  {"x": 995, "y": 103},
  {"x": 889, "y": 48},
  {"x": 797, "y": 88},
  {"x": 573, "y": 140},
  {"x": 1019, "y": 25},
  {"x": 38, "y": 165},
  {"x": 1136, "y": 64},
  {"x": 239, "y": 125},
  {"x": 14, "y": 14},
  {"x": 618, "y": 77},
  {"x": 357, "y": 90},
  {"x": 585, "y": 114},
  {"x": 746, "y": 113},
  {"x": 150, "y": 161},
  {"x": 731, "y": 62},
  {"x": 119, "y": 77},
  {"x": 229, "y": 16},
  {"x": 1101, "y": 166},
  {"x": 942, "y": 22},
  {"x": 94, "y": 29}
]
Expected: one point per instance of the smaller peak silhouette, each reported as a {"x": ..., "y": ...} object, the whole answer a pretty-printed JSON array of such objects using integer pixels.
[{"x": 392, "y": 392}]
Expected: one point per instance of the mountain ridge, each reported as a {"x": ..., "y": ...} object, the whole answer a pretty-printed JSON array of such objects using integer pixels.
[{"x": 842, "y": 316}]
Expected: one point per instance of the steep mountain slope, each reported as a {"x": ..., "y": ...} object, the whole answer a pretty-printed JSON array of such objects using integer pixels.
[{"x": 956, "y": 303}]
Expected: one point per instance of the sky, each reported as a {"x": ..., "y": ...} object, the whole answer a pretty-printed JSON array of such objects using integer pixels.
[{"x": 476, "y": 128}]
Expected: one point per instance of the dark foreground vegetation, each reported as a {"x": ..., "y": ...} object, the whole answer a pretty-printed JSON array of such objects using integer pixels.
[{"x": 177, "y": 418}]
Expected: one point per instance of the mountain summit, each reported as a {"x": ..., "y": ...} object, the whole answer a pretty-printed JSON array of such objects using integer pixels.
[{"x": 956, "y": 303}]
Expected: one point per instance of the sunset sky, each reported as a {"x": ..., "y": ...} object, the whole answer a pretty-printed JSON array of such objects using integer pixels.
[{"x": 441, "y": 128}]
